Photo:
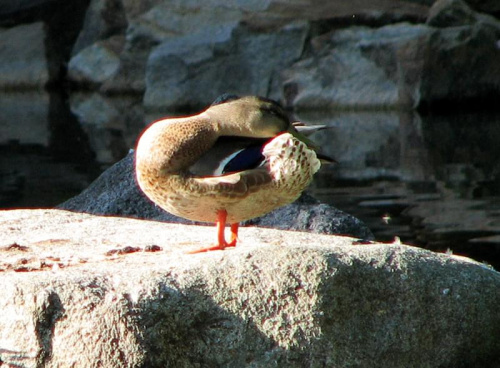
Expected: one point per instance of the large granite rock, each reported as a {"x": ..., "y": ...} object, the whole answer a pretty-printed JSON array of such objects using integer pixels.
[
  {"x": 116, "y": 192},
  {"x": 81, "y": 290}
]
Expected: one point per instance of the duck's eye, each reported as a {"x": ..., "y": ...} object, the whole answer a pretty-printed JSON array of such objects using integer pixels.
[{"x": 275, "y": 112}]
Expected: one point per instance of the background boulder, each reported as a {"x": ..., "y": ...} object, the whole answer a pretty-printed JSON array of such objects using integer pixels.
[
  {"x": 313, "y": 54},
  {"x": 182, "y": 56}
]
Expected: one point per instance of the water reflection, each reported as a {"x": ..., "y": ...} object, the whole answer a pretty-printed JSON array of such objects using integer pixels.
[
  {"x": 112, "y": 124},
  {"x": 45, "y": 157},
  {"x": 434, "y": 181},
  {"x": 374, "y": 145},
  {"x": 23, "y": 118}
]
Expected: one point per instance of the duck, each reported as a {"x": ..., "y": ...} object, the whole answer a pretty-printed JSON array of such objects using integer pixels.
[{"x": 240, "y": 158}]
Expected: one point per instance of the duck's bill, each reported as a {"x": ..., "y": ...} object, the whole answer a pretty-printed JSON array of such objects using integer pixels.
[
  {"x": 298, "y": 133},
  {"x": 308, "y": 129}
]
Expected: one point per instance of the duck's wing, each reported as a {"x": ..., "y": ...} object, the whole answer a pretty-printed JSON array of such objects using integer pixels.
[
  {"x": 229, "y": 155},
  {"x": 235, "y": 185}
]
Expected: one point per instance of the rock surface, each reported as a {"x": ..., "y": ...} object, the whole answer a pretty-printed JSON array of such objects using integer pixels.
[
  {"x": 347, "y": 70},
  {"x": 96, "y": 63},
  {"x": 400, "y": 66},
  {"x": 180, "y": 73},
  {"x": 116, "y": 192},
  {"x": 80, "y": 289}
]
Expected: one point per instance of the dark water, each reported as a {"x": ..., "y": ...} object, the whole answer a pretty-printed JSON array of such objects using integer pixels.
[{"x": 431, "y": 180}]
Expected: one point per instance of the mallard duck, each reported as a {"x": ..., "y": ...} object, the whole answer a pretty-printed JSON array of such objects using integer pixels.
[{"x": 239, "y": 159}]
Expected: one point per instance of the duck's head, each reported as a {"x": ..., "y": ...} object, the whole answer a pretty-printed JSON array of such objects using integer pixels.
[{"x": 249, "y": 116}]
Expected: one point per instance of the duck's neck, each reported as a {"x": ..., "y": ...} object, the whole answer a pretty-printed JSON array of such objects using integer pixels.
[{"x": 171, "y": 146}]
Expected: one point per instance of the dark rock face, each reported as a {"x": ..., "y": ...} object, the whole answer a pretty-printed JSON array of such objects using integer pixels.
[
  {"x": 183, "y": 71},
  {"x": 116, "y": 192},
  {"x": 301, "y": 54},
  {"x": 453, "y": 57}
]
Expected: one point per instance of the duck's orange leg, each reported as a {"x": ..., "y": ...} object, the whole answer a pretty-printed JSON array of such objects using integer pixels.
[
  {"x": 221, "y": 239},
  {"x": 234, "y": 234}
]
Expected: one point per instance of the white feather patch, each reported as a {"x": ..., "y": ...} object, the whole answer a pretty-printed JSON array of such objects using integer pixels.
[{"x": 290, "y": 159}]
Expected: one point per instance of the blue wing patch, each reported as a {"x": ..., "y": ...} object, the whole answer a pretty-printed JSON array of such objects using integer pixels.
[{"x": 245, "y": 159}]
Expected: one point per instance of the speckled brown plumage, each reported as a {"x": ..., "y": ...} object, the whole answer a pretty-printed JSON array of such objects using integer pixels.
[{"x": 169, "y": 148}]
